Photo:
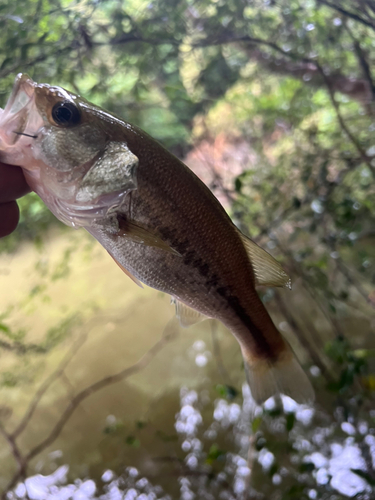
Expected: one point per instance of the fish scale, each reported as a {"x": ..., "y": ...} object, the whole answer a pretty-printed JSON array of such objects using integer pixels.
[{"x": 155, "y": 217}]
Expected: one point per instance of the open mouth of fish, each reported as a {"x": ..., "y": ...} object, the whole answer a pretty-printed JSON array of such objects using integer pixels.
[
  {"x": 19, "y": 120},
  {"x": 24, "y": 126}
]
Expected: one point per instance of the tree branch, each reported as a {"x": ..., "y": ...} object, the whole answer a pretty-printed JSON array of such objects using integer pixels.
[
  {"x": 45, "y": 386},
  {"x": 347, "y": 13},
  {"x": 343, "y": 125},
  {"x": 362, "y": 62},
  {"x": 20, "y": 459},
  {"x": 353, "y": 281},
  {"x": 356, "y": 88},
  {"x": 292, "y": 64},
  {"x": 170, "y": 334}
]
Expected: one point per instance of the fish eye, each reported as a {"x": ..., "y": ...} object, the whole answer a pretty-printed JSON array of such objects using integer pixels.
[{"x": 66, "y": 114}]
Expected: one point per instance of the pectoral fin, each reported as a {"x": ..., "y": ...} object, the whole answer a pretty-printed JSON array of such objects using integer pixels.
[
  {"x": 267, "y": 271},
  {"x": 186, "y": 315},
  {"x": 128, "y": 273},
  {"x": 143, "y": 236}
]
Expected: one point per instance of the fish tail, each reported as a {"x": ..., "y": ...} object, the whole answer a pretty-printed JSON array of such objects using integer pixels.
[{"x": 282, "y": 375}]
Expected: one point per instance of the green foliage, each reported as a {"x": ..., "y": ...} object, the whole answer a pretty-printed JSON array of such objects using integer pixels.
[
  {"x": 9, "y": 379},
  {"x": 255, "y": 424},
  {"x": 16, "y": 339},
  {"x": 113, "y": 428},
  {"x": 352, "y": 365},
  {"x": 227, "y": 391},
  {"x": 57, "y": 334},
  {"x": 132, "y": 441},
  {"x": 214, "y": 453}
]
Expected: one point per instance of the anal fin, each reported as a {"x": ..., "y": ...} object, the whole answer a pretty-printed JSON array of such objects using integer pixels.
[
  {"x": 267, "y": 271},
  {"x": 186, "y": 315}
]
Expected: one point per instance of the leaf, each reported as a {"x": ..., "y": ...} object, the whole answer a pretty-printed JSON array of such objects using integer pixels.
[
  {"x": 227, "y": 391},
  {"x": 255, "y": 424},
  {"x": 9, "y": 379},
  {"x": 4, "y": 328},
  {"x": 140, "y": 424},
  {"x": 113, "y": 428},
  {"x": 215, "y": 453},
  {"x": 133, "y": 441}
]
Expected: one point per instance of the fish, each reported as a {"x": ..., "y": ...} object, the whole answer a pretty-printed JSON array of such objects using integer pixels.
[{"x": 158, "y": 221}]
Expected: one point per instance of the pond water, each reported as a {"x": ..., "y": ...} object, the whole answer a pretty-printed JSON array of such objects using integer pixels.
[{"x": 101, "y": 396}]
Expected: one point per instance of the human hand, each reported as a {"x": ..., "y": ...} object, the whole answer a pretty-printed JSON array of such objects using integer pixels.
[{"x": 12, "y": 186}]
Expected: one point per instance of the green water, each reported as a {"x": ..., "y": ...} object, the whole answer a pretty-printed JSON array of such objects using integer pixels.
[{"x": 114, "y": 324}]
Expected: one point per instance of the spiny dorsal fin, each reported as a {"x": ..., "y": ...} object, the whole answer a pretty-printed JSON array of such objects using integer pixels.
[
  {"x": 128, "y": 273},
  {"x": 143, "y": 236},
  {"x": 267, "y": 271},
  {"x": 186, "y": 315}
]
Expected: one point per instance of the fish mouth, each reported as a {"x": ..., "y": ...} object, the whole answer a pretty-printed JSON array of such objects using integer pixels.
[{"x": 16, "y": 120}]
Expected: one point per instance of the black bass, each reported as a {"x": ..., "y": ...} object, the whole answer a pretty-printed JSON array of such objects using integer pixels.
[{"x": 157, "y": 220}]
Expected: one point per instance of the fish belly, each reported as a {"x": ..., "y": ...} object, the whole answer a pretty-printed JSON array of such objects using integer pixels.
[{"x": 163, "y": 271}]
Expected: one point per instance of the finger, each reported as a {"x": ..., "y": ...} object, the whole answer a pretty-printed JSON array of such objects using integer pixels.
[
  {"x": 9, "y": 215},
  {"x": 12, "y": 183}
]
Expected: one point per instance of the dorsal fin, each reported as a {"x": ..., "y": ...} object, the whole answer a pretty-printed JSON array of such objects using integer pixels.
[
  {"x": 128, "y": 273},
  {"x": 186, "y": 315},
  {"x": 267, "y": 271}
]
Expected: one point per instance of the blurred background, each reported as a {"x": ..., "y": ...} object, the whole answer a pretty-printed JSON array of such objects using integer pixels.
[{"x": 272, "y": 104}]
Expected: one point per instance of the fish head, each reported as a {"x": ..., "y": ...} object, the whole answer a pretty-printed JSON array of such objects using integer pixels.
[{"x": 71, "y": 151}]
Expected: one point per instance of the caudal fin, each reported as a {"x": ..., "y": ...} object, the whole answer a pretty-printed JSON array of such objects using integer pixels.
[{"x": 283, "y": 376}]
